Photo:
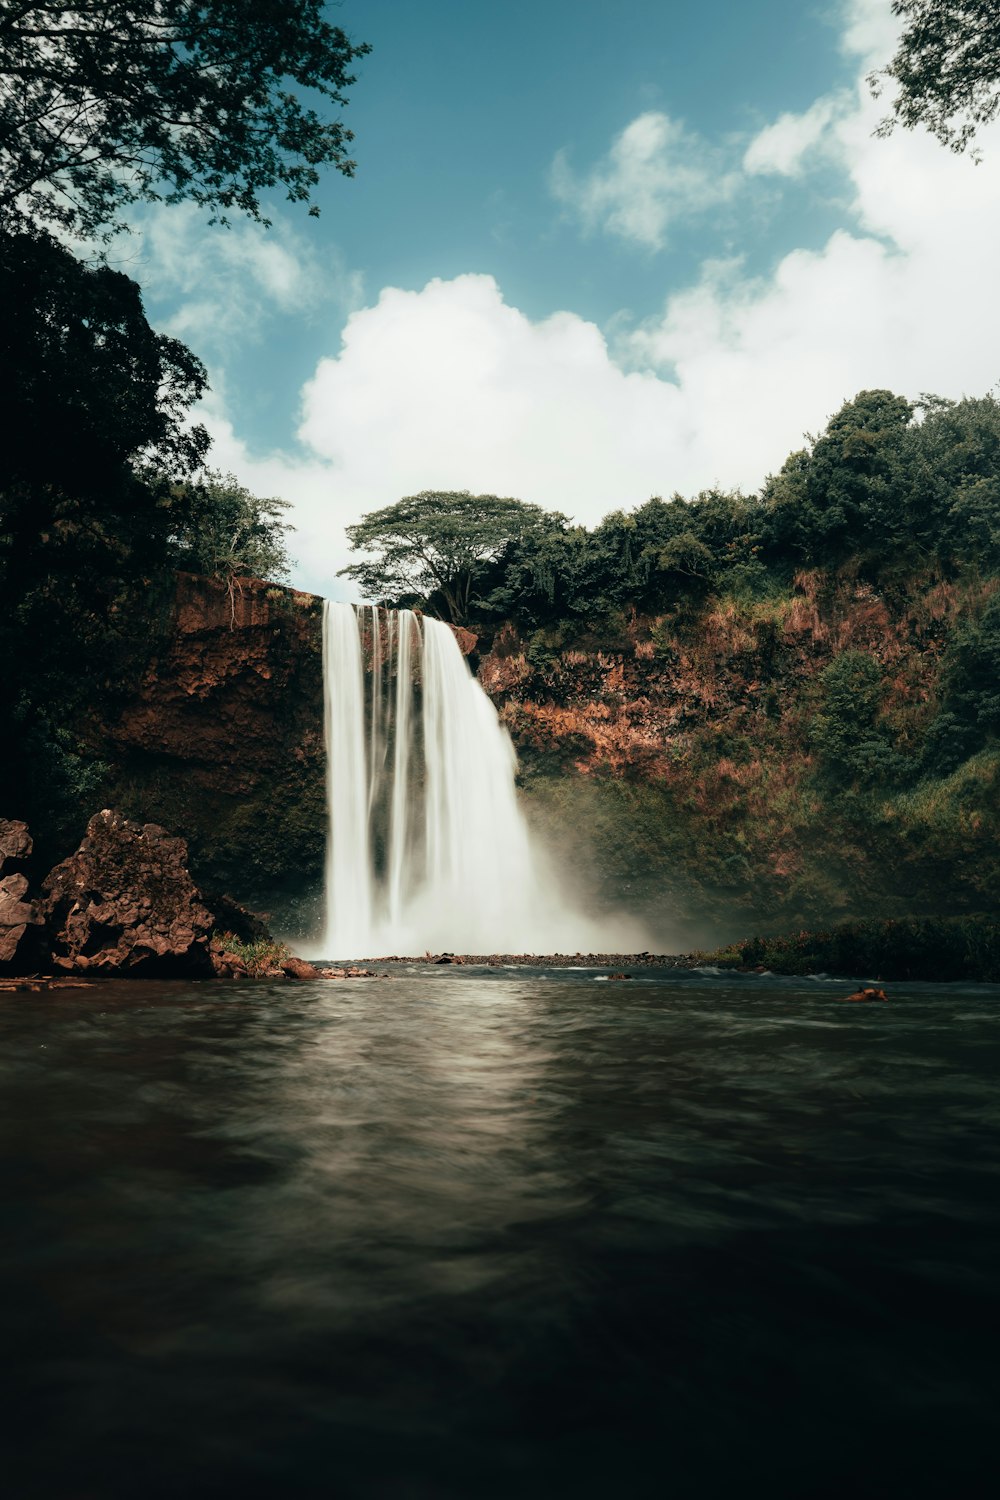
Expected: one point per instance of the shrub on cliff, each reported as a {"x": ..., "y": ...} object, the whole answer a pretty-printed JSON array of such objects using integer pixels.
[
  {"x": 227, "y": 532},
  {"x": 853, "y": 746}
]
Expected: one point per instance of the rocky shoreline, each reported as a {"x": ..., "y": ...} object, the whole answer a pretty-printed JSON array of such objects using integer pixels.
[
  {"x": 124, "y": 904},
  {"x": 548, "y": 960}
]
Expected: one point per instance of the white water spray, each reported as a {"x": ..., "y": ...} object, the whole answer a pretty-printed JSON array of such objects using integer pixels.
[{"x": 427, "y": 847}]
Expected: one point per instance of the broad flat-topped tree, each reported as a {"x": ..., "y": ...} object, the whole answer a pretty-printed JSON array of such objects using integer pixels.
[
  {"x": 433, "y": 545},
  {"x": 107, "y": 104}
]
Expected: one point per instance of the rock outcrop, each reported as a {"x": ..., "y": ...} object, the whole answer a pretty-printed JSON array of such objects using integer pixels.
[
  {"x": 125, "y": 903},
  {"x": 20, "y": 922},
  {"x": 15, "y": 845},
  {"x": 223, "y": 739}
]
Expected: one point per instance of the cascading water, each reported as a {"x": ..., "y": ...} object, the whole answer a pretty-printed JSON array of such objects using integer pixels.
[{"x": 427, "y": 847}]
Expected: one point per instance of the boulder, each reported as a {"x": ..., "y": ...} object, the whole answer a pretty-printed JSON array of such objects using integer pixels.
[
  {"x": 298, "y": 968},
  {"x": 867, "y": 994},
  {"x": 125, "y": 903},
  {"x": 20, "y": 923},
  {"x": 15, "y": 845}
]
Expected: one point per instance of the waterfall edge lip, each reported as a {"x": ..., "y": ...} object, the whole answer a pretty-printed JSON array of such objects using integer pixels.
[{"x": 427, "y": 846}]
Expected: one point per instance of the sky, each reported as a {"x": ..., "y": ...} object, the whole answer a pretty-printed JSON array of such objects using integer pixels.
[{"x": 592, "y": 252}]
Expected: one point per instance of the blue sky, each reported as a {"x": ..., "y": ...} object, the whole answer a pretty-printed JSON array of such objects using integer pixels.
[{"x": 592, "y": 252}]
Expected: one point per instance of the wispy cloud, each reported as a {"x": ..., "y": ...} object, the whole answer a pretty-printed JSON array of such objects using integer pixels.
[
  {"x": 227, "y": 284},
  {"x": 655, "y": 174},
  {"x": 793, "y": 141}
]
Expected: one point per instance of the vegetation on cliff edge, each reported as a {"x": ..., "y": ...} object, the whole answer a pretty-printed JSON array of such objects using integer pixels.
[{"x": 781, "y": 705}]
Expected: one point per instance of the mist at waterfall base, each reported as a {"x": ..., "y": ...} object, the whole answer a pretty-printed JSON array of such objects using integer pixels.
[{"x": 428, "y": 849}]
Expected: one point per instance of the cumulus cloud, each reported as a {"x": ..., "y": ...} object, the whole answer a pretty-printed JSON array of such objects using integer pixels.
[
  {"x": 655, "y": 172},
  {"x": 452, "y": 387}
]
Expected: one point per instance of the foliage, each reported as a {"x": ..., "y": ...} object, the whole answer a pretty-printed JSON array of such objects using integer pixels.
[
  {"x": 922, "y": 949},
  {"x": 851, "y": 493},
  {"x": 228, "y": 532},
  {"x": 970, "y": 693},
  {"x": 434, "y": 545},
  {"x": 79, "y": 363},
  {"x": 97, "y": 403},
  {"x": 947, "y": 68},
  {"x": 260, "y": 957},
  {"x": 109, "y": 103},
  {"x": 852, "y": 745}
]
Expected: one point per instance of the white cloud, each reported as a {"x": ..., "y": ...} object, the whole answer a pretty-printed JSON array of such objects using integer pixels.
[
  {"x": 452, "y": 387},
  {"x": 781, "y": 148},
  {"x": 870, "y": 32},
  {"x": 655, "y": 173}
]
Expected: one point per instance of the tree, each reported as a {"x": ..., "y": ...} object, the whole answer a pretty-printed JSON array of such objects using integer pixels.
[
  {"x": 230, "y": 533},
  {"x": 108, "y": 103},
  {"x": 97, "y": 405},
  {"x": 947, "y": 68},
  {"x": 85, "y": 383},
  {"x": 432, "y": 546},
  {"x": 853, "y": 492}
]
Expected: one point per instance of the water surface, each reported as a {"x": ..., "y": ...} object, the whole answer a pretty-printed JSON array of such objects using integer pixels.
[{"x": 499, "y": 1233}]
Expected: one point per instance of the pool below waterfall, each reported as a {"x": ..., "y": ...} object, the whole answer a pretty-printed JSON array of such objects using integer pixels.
[{"x": 499, "y": 1233}]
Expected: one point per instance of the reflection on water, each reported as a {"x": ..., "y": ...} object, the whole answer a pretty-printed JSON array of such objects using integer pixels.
[{"x": 498, "y": 1234}]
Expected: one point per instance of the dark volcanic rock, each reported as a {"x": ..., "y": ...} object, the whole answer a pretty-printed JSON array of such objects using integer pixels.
[
  {"x": 15, "y": 845},
  {"x": 125, "y": 903},
  {"x": 19, "y": 923}
]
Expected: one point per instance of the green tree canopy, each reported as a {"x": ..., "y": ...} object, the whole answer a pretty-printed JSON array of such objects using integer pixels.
[
  {"x": 230, "y": 533},
  {"x": 851, "y": 492},
  {"x": 107, "y": 103},
  {"x": 947, "y": 69},
  {"x": 85, "y": 383},
  {"x": 433, "y": 546}
]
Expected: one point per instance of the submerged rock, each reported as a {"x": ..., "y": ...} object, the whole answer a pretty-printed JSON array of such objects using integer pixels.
[
  {"x": 868, "y": 993},
  {"x": 351, "y": 973},
  {"x": 298, "y": 968},
  {"x": 125, "y": 903}
]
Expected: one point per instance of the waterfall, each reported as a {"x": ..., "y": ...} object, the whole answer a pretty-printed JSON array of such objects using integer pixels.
[{"x": 427, "y": 846}]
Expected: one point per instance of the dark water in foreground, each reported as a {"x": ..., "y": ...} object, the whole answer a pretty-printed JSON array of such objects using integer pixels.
[{"x": 499, "y": 1234}]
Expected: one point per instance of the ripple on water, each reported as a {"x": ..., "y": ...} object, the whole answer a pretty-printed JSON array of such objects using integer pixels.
[{"x": 499, "y": 1233}]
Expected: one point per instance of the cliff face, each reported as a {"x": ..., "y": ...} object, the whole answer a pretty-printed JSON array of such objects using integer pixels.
[
  {"x": 222, "y": 740},
  {"x": 688, "y": 763},
  {"x": 682, "y": 763}
]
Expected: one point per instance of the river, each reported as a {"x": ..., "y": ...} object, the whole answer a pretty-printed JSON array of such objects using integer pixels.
[{"x": 486, "y": 1232}]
